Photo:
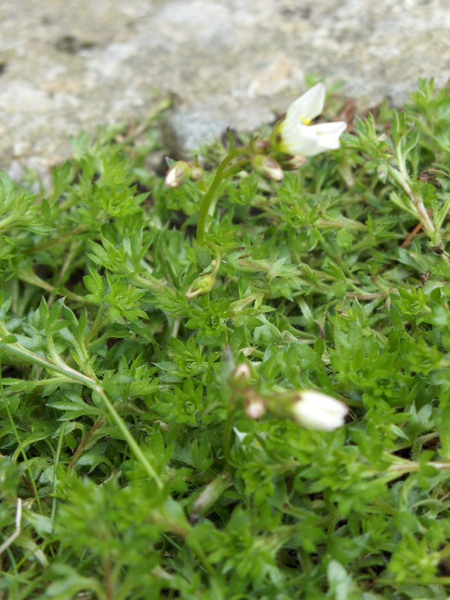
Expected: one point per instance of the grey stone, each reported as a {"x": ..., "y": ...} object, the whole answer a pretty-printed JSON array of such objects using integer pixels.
[{"x": 70, "y": 65}]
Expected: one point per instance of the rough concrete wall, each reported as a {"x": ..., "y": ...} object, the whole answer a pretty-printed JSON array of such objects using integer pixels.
[{"x": 68, "y": 65}]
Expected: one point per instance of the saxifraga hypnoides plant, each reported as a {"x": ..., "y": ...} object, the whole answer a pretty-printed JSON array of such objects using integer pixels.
[{"x": 173, "y": 404}]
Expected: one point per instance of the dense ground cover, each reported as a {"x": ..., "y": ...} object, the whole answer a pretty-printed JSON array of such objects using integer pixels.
[{"x": 124, "y": 428}]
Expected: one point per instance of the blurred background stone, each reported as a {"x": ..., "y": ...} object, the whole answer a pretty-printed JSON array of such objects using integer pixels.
[{"x": 69, "y": 65}]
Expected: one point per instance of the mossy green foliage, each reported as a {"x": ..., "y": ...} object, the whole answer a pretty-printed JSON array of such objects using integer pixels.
[{"x": 122, "y": 430}]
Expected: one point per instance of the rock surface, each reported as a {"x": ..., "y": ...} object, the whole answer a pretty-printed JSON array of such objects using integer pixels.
[{"x": 69, "y": 65}]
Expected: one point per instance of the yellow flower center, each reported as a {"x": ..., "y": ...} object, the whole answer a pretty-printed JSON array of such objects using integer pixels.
[{"x": 305, "y": 121}]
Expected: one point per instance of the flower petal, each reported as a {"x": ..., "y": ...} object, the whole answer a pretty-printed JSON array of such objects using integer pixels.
[
  {"x": 331, "y": 131},
  {"x": 294, "y": 135},
  {"x": 308, "y": 106},
  {"x": 315, "y": 410},
  {"x": 328, "y": 135},
  {"x": 298, "y": 141}
]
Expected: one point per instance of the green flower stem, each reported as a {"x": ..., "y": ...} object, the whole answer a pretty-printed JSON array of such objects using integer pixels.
[
  {"x": 22, "y": 450},
  {"x": 62, "y": 431},
  {"x": 227, "y": 431},
  {"x": 221, "y": 174},
  {"x": 19, "y": 351}
]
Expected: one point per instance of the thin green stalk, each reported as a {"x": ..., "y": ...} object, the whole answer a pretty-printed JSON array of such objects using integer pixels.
[
  {"x": 16, "y": 349},
  {"x": 62, "y": 431},
  {"x": 227, "y": 435},
  {"x": 220, "y": 175},
  {"x": 22, "y": 449}
]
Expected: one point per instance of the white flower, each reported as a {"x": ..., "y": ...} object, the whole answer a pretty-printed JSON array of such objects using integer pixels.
[
  {"x": 295, "y": 134},
  {"x": 314, "y": 410}
]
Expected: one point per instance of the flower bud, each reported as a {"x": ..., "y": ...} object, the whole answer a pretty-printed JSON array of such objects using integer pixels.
[
  {"x": 210, "y": 494},
  {"x": 201, "y": 286},
  {"x": 196, "y": 173},
  {"x": 241, "y": 373},
  {"x": 314, "y": 410},
  {"x": 240, "y": 377},
  {"x": 255, "y": 407},
  {"x": 178, "y": 174},
  {"x": 267, "y": 166},
  {"x": 260, "y": 146},
  {"x": 295, "y": 162}
]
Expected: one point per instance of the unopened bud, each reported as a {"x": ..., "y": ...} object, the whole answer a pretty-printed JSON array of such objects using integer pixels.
[
  {"x": 260, "y": 146},
  {"x": 295, "y": 163},
  {"x": 210, "y": 494},
  {"x": 201, "y": 286},
  {"x": 196, "y": 173},
  {"x": 314, "y": 410},
  {"x": 240, "y": 376},
  {"x": 178, "y": 174},
  {"x": 242, "y": 372},
  {"x": 267, "y": 166},
  {"x": 255, "y": 407}
]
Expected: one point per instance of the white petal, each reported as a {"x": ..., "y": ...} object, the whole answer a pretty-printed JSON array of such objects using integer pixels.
[
  {"x": 308, "y": 106},
  {"x": 334, "y": 128},
  {"x": 329, "y": 133},
  {"x": 303, "y": 147},
  {"x": 298, "y": 140},
  {"x": 241, "y": 435},
  {"x": 315, "y": 410}
]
